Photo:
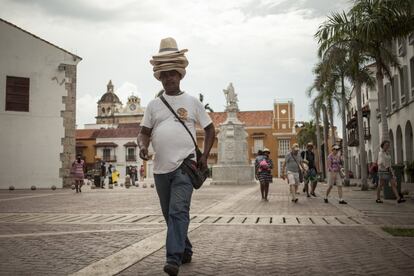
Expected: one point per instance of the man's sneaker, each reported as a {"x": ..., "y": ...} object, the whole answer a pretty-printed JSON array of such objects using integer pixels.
[
  {"x": 186, "y": 258},
  {"x": 326, "y": 200},
  {"x": 313, "y": 194},
  {"x": 343, "y": 202},
  {"x": 171, "y": 269}
]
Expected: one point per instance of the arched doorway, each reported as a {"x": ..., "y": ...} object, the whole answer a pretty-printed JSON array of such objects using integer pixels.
[
  {"x": 409, "y": 144},
  {"x": 399, "y": 146},
  {"x": 392, "y": 146}
]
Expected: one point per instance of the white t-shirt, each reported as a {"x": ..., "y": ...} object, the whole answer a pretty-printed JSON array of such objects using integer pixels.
[{"x": 170, "y": 140}]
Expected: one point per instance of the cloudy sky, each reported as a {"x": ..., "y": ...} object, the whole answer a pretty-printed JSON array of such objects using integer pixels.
[{"x": 265, "y": 48}]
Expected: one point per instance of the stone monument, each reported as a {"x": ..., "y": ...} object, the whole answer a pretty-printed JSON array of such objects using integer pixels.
[{"x": 233, "y": 165}]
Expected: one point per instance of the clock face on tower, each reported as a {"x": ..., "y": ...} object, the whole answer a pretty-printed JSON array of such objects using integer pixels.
[
  {"x": 132, "y": 107},
  {"x": 283, "y": 111}
]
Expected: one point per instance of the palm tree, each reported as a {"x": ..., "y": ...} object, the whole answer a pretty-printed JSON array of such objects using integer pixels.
[
  {"x": 335, "y": 66},
  {"x": 341, "y": 31},
  {"x": 316, "y": 111},
  {"x": 373, "y": 24},
  {"x": 320, "y": 103},
  {"x": 377, "y": 23}
]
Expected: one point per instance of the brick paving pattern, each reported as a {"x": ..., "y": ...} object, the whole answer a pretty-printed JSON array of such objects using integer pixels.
[{"x": 59, "y": 232}]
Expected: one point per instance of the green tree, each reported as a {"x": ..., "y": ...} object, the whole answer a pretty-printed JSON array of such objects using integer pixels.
[{"x": 307, "y": 134}]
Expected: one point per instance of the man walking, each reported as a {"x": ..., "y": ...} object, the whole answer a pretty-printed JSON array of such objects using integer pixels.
[
  {"x": 291, "y": 169},
  {"x": 172, "y": 144},
  {"x": 308, "y": 157}
]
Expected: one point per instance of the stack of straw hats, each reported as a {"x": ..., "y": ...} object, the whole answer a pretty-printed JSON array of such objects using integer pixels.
[{"x": 169, "y": 58}]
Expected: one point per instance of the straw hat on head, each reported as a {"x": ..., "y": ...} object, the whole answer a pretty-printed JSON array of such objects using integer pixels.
[
  {"x": 266, "y": 150},
  {"x": 337, "y": 147},
  {"x": 295, "y": 146},
  {"x": 169, "y": 58},
  {"x": 310, "y": 144}
]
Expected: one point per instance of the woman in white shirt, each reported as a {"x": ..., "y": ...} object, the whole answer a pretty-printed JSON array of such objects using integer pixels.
[{"x": 386, "y": 173}]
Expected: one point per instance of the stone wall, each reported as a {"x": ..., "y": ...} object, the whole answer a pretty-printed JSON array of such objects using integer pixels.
[{"x": 69, "y": 124}]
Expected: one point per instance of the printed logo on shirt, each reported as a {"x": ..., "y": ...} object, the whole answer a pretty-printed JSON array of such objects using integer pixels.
[{"x": 182, "y": 113}]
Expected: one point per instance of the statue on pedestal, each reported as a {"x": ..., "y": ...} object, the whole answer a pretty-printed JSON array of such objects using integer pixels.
[{"x": 233, "y": 164}]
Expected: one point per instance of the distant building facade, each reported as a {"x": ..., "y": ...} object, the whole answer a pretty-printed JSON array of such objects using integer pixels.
[{"x": 37, "y": 110}]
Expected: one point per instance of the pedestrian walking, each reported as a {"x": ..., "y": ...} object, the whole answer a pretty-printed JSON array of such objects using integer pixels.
[
  {"x": 311, "y": 175},
  {"x": 264, "y": 166},
  {"x": 141, "y": 173},
  {"x": 110, "y": 169},
  {"x": 78, "y": 172},
  {"x": 373, "y": 170},
  {"x": 292, "y": 169},
  {"x": 115, "y": 176},
  {"x": 103, "y": 175},
  {"x": 386, "y": 173},
  {"x": 133, "y": 174},
  {"x": 173, "y": 144},
  {"x": 334, "y": 173}
]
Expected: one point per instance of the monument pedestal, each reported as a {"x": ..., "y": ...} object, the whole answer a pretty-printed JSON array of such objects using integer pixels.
[
  {"x": 233, "y": 166},
  {"x": 233, "y": 175}
]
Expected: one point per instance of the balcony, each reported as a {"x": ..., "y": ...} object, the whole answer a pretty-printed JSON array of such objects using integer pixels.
[
  {"x": 353, "y": 138},
  {"x": 109, "y": 158},
  {"x": 131, "y": 157}
]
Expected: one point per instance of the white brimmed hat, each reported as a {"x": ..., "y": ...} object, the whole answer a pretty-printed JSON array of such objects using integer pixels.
[
  {"x": 169, "y": 58},
  {"x": 337, "y": 147},
  {"x": 295, "y": 146},
  {"x": 266, "y": 150}
]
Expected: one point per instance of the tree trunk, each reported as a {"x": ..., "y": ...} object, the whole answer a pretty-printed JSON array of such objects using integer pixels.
[
  {"x": 318, "y": 139},
  {"x": 331, "y": 119},
  {"x": 344, "y": 134},
  {"x": 361, "y": 139},
  {"x": 382, "y": 103},
  {"x": 325, "y": 137}
]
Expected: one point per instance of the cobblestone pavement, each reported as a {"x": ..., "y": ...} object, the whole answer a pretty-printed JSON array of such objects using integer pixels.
[{"x": 46, "y": 232}]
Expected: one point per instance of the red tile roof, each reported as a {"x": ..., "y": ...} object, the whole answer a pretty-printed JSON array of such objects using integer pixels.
[
  {"x": 86, "y": 133},
  {"x": 250, "y": 118},
  {"x": 118, "y": 132}
]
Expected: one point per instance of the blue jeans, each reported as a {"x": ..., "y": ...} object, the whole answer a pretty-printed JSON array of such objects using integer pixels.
[{"x": 174, "y": 191}]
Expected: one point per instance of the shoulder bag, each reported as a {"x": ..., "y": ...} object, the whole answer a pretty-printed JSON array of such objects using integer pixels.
[
  {"x": 197, "y": 175},
  {"x": 300, "y": 169}
]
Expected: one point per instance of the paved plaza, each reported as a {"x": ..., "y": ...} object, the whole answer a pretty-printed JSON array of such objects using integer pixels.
[{"x": 122, "y": 232}]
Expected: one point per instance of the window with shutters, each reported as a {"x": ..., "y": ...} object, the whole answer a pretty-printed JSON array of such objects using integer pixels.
[
  {"x": 404, "y": 84},
  {"x": 17, "y": 94},
  {"x": 284, "y": 146}
]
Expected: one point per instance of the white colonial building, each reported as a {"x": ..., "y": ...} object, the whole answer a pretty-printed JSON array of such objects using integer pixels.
[
  {"x": 37, "y": 110},
  {"x": 399, "y": 92},
  {"x": 400, "y": 101}
]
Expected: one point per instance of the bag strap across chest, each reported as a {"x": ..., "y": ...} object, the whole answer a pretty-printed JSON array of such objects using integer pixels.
[{"x": 179, "y": 119}]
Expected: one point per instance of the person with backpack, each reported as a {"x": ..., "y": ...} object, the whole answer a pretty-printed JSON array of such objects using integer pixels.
[
  {"x": 311, "y": 175},
  {"x": 292, "y": 170},
  {"x": 264, "y": 166}
]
